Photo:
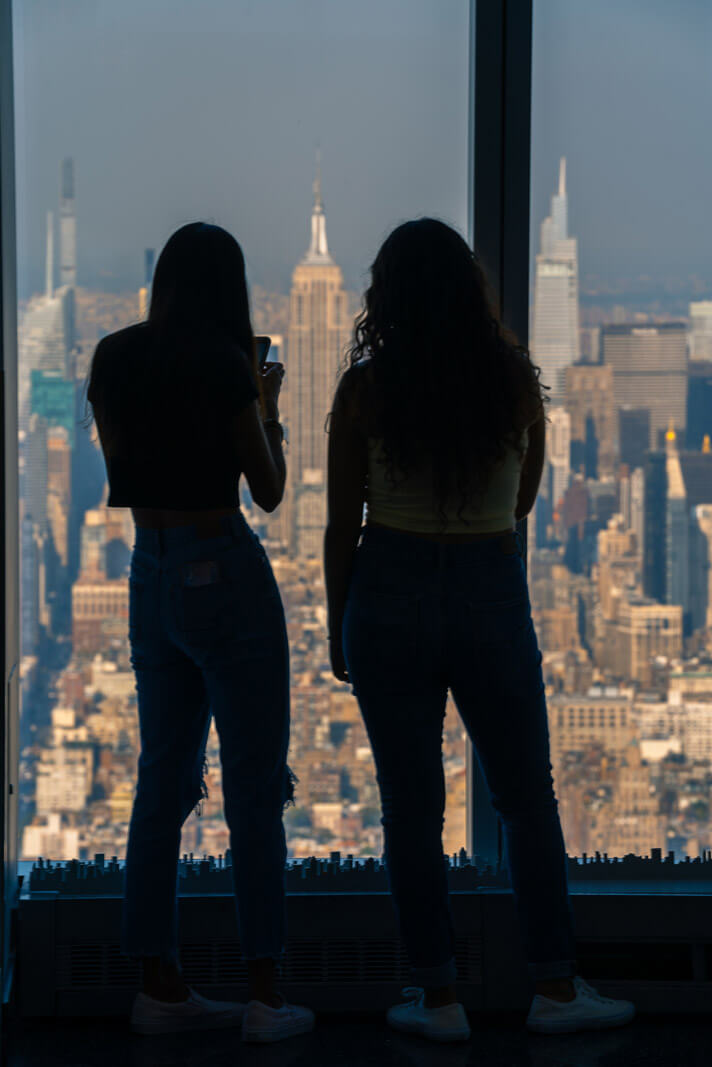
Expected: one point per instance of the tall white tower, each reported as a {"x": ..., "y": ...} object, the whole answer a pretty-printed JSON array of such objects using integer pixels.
[
  {"x": 67, "y": 226},
  {"x": 555, "y": 332}
]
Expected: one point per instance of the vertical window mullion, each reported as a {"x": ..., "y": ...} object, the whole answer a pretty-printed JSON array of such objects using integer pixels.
[{"x": 501, "y": 102}]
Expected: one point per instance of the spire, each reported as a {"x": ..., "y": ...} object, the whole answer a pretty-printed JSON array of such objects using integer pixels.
[
  {"x": 318, "y": 252},
  {"x": 318, "y": 206},
  {"x": 49, "y": 261},
  {"x": 67, "y": 226},
  {"x": 562, "y": 176}
]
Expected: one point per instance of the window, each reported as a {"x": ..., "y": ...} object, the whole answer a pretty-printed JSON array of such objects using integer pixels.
[
  {"x": 620, "y": 297},
  {"x": 308, "y": 130}
]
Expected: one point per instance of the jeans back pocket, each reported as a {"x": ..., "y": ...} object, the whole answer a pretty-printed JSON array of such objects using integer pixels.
[{"x": 200, "y": 592}]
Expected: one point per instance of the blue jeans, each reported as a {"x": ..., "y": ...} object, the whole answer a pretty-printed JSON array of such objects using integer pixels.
[
  {"x": 423, "y": 617},
  {"x": 208, "y": 637}
]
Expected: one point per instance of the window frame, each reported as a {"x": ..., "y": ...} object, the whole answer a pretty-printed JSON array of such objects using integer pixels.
[
  {"x": 9, "y": 526},
  {"x": 500, "y": 172},
  {"x": 500, "y": 158}
]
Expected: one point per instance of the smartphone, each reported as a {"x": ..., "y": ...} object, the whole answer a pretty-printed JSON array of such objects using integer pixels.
[{"x": 263, "y": 344}]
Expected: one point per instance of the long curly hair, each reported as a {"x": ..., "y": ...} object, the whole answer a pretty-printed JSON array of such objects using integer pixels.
[{"x": 450, "y": 386}]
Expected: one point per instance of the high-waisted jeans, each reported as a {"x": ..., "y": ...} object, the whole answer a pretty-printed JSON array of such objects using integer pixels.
[
  {"x": 423, "y": 617},
  {"x": 208, "y": 637}
]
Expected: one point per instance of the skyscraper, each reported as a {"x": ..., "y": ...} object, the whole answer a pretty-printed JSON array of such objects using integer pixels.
[
  {"x": 650, "y": 371},
  {"x": 46, "y": 332},
  {"x": 701, "y": 567},
  {"x": 319, "y": 330},
  {"x": 699, "y": 402},
  {"x": 676, "y": 529},
  {"x": 144, "y": 293},
  {"x": 67, "y": 226},
  {"x": 558, "y": 447},
  {"x": 633, "y": 435},
  {"x": 654, "y": 508},
  {"x": 700, "y": 337},
  {"x": 555, "y": 331},
  {"x": 589, "y": 398}
]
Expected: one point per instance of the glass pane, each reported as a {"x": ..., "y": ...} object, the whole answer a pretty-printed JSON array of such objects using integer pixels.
[
  {"x": 621, "y": 317},
  {"x": 308, "y": 130}
]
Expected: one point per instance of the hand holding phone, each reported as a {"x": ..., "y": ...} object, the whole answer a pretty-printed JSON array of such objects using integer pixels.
[
  {"x": 262, "y": 344},
  {"x": 272, "y": 375}
]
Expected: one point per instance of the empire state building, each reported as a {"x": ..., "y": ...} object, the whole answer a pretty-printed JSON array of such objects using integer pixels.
[{"x": 319, "y": 330}]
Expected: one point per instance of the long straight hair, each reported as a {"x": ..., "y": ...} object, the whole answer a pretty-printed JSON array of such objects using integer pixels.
[
  {"x": 199, "y": 305},
  {"x": 199, "y": 294}
]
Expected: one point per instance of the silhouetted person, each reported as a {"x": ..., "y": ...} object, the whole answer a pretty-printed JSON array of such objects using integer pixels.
[
  {"x": 183, "y": 410},
  {"x": 438, "y": 427}
]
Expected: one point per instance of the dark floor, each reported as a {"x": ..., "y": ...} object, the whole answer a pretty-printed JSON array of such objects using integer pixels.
[{"x": 497, "y": 1041}]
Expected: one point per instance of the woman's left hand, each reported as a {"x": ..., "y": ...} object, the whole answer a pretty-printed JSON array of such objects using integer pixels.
[{"x": 338, "y": 663}]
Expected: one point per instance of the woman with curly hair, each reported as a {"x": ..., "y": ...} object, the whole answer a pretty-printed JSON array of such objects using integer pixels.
[{"x": 438, "y": 428}]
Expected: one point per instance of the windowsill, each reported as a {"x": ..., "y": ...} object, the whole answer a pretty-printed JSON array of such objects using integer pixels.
[{"x": 343, "y": 875}]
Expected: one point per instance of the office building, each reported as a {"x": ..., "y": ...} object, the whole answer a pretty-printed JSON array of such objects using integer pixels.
[
  {"x": 54, "y": 398},
  {"x": 700, "y": 335},
  {"x": 701, "y": 568},
  {"x": 59, "y": 487},
  {"x": 92, "y": 551},
  {"x": 98, "y": 603},
  {"x": 645, "y": 630},
  {"x": 589, "y": 402},
  {"x": 655, "y": 505},
  {"x": 676, "y": 529},
  {"x": 649, "y": 366},
  {"x": 558, "y": 453},
  {"x": 699, "y": 402},
  {"x": 34, "y": 481},
  {"x": 637, "y": 506},
  {"x": 633, "y": 435}
]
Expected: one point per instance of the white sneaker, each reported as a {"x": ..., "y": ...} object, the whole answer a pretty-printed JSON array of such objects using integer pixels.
[
  {"x": 448, "y": 1023},
  {"x": 149, "y": 1016},
  {"x": 263, "y": 1023},
  {"x": 587, "y": 1011}
]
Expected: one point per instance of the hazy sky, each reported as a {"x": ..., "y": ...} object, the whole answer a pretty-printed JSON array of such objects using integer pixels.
[{"x": 180, "y": 109}]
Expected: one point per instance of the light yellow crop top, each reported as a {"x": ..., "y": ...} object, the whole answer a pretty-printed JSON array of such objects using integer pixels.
[{"x": 410, "y": 505}]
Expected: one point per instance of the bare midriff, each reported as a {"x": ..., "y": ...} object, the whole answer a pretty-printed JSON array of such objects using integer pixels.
[
  {"x": 164, "y": 518},
  {"x": 455, "y": 538}
]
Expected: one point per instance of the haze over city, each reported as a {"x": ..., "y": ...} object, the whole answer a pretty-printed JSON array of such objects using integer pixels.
[{"x": 174, "y": 111}]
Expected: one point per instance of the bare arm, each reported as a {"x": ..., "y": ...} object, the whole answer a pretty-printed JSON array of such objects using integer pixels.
[
  {"x": 531, "y": 468},
  {"x": 347, "y": 470},
  {"x": 259, "y": 448}
]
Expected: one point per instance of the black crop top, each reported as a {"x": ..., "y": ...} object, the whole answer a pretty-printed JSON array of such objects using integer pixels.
[{"x": 164, "y": 423}]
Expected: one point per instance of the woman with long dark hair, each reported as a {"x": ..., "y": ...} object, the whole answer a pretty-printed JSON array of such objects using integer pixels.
[
  {"x": 182, "y": 410},
  {"x": 438, "y": 427}
]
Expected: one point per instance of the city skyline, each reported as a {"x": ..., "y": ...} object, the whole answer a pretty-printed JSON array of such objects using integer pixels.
[{"x": 620, "y": 553}]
